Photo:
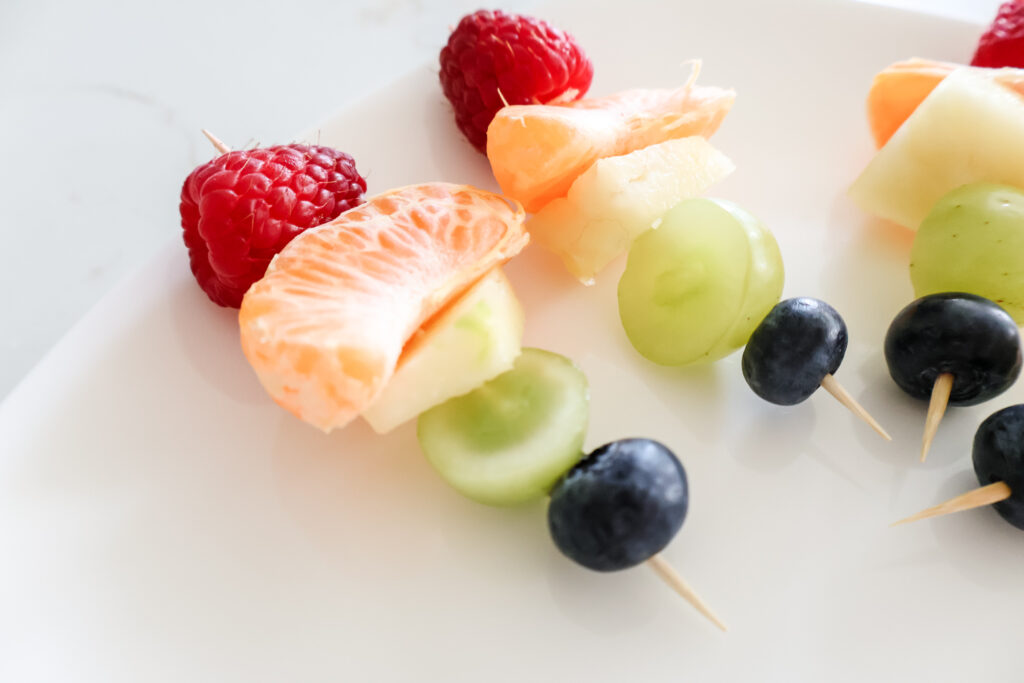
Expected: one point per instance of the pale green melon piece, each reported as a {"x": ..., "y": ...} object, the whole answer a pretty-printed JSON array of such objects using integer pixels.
[
  {"x": 969, "y": 129},
  {"x": 618, "y": 198},
  {"x": 475, "y": 339}
]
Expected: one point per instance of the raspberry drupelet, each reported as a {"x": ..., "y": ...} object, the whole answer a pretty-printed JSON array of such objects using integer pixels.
[
  {"x": 240, "y": 209},
  {"x": 493, "y": 59}
]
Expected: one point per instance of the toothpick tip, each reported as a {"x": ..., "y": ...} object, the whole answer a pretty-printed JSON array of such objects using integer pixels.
[
  {"x": 936, "y": 409},
  {"x": 832, "y": 386},
  {"x": 216, "y": 142},
  {"x": 670, "y": 576},
  {"x": 979, "y": 497}
]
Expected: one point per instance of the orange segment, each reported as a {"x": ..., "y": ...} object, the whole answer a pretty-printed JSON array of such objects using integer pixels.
[
  {"x": 899, "y": 88},
  {"x": 325, "y": 327},
  {"x": 536, "y": 151}
]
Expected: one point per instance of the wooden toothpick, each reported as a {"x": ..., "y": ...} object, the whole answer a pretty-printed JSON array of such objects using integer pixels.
[
  {"x": 217, "y": 142},
  {"x": 504, "y": 102},
  {"x": 986, "y": 495},
  {"x": 832, "y": 386},
  {"x": 669, "y": 575},
  {"x": 936, "y": 409}
]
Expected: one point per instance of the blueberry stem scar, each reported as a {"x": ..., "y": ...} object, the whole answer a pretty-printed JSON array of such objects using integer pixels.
[
  {"x": 670, "y": 576},
  {"x": 832, "y": 386},
  {"x": 936, "y": 409},
  {"x": 986, "y": 495},
  {"x": 216, "y": 142}
]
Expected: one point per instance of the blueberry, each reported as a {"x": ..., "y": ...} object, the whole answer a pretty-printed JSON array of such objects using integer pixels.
[
  {"x": 966, "y": 335},
  {"x": 620, "y": 505},
  {"x": 795, "y": 346},
  {"x": 999, "y": 456}
]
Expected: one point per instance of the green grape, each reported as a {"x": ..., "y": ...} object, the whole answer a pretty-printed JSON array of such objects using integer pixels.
[
  {"x": 509, "y": 440},
  {"x": 765, "y": 276},
  {"x": 695, "y": 288},
  {"x": 973, "y": 241}
]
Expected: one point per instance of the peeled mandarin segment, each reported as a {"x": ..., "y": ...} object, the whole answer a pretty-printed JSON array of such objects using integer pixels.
[
  {"x": 325, "y": 327},
  {"x": 898, "y": 89},
  {"x": 537, "y": 151},
  {"x": 620, "y": 197}
]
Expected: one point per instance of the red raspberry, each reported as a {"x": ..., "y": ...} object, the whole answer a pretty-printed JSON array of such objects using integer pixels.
[
  {"x": 493, "y": 55},
  {"x": 240, "y": 209},
  {"x": 1003, "y": 42}
]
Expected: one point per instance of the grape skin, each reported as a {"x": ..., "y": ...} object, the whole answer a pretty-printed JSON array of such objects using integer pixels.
[
  {"x": 973, "y": 241},
  {"x": 695, "y": 288}
]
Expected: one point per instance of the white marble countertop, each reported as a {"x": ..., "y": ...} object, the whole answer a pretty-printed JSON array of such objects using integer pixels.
[{"x": 101, "y": 103}]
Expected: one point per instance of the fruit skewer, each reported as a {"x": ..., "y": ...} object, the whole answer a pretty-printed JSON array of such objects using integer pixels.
[
  {"x": 550, "y": 467},
  {"x": 796, "y": 349},
  {"x": 998, "y": 459},
  {"x": 952, "y": 348}
]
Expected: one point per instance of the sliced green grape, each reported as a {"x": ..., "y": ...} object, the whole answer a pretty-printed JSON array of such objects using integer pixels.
[
  {"x": 973, "y": 241},
  {"x": 509, "y": 440},
  {"x": 696, "y": 287}
]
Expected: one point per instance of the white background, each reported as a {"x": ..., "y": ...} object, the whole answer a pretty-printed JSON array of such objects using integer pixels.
[{"x": 101, "y": 103}]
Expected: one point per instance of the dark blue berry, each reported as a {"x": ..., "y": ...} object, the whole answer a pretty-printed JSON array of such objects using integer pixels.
[
  {"x": 620, "y": 505},
  {"x": 795, "y": 346},
  {"x": 999, "y": 456},
  {"x": 966, "y": 335}
]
